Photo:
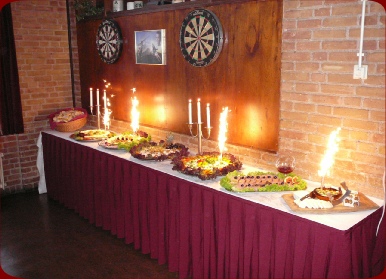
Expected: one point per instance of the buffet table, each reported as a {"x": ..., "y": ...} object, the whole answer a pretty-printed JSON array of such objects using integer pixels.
[{"x": 201, "y": 230}]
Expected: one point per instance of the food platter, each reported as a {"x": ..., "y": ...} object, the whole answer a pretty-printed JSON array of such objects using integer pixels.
[
  {"x": 125, "y": 141},
  {"x": 158, "y": 151},
  {"x": 92, "y": 135},
  {"x": 208, "y": 165},
  {"x": 105, "y": 144},
  {"x": 258, "y": 181},
  {"x": 365, "y": 204}
]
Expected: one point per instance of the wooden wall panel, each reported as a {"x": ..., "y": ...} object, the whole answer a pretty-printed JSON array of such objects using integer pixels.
[{"x": 245, "y": 77}]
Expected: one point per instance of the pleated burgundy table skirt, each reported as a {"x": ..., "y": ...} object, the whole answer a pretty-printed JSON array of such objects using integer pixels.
[{"x": 200, "y": 232}]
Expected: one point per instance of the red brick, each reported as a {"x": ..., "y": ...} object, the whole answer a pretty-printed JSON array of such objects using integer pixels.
[
  {"x": 351, "y": 113},
  {"x": 340, "y": 22},
  {"x": 360, "y": 124},
  {"x": 339, "y": 45},
  {"x": 328, "y": 34}
]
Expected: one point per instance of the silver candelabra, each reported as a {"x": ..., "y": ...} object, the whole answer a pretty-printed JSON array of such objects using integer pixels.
[
  {"x": 98, "y": 114},
  {"x": 199, "y": 134}
]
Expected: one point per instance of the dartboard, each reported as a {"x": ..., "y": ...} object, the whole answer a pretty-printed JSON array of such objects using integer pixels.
[
  {"x": 109, "y": 41},
  {"x": 201, "y": 38}
]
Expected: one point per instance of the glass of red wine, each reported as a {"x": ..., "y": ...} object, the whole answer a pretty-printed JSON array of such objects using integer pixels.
[{"x": 285, "y": 164}]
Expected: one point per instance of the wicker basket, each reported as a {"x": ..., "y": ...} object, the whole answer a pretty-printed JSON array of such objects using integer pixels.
[{"x": 72, "y": 125}]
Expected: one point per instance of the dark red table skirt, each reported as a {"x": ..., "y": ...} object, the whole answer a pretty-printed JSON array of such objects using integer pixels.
[{"x": 201, "y": 232}]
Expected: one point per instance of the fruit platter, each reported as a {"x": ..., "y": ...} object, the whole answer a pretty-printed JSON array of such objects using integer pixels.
[
  {"x": 207, "y": 165},
  {"x": 258, "y": 181},
  {"x": 92, "y": 135},
  {"x": 158, "y": 151},
  {"x": 125, "y": 141}
]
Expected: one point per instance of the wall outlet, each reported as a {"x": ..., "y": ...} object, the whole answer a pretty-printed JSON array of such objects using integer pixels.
[{"x": 360, "y": 72}]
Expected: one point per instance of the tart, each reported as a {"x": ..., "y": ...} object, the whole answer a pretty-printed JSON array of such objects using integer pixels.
[
  {"x": 208, "y": 165},
  {"x": 327, "y": 193}
]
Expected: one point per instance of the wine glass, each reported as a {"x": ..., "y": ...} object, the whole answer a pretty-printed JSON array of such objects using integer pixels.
[{"x": 285, "y": 164}]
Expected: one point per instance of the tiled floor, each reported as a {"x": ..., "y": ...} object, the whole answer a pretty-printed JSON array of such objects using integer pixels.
[{"x": 40, "y": 238}]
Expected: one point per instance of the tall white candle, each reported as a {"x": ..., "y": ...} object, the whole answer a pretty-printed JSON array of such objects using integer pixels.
[
  {"x": 105, "y": 99},
  {"x": 198, "y": 111},
  {"x": 91, "y": 97},
  {"x": 190, "y": 111},
  {"x": 98, "y": 99},
  {"x": 208, "y": 115}
]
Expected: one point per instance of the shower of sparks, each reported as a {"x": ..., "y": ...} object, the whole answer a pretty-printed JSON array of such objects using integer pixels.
[
  {"x": 107, "y": 114},
  {"x": 134, "y": 113},
  {"x": 107, "y": 84},
  {"x": 223, "y": 130},
  {"x": 107, "y": 111},
  {"x": 328, "y": 159}
]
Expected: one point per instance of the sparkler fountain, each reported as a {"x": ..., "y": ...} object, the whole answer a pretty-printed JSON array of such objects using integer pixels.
[
  {"x": 222, "y": 131},
  {"x": 134, "y": 113},
  {"x": 107, "y": 112},
  {"x": 328, "y": 159}
]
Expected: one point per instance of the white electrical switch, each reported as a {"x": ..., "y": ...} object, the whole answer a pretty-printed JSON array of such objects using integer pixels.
[{"x": 360, "y": 72}]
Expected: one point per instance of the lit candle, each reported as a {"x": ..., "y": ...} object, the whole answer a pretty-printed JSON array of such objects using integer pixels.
[
  {"x": 98, "y": 99},
  {"x": 208, "y": 115},
  {"x": 190, "y": 111},
  {"x": 198, "y": 111},
  {"x": 91, "y": 97},
  {"x": 105, "y": 99}
]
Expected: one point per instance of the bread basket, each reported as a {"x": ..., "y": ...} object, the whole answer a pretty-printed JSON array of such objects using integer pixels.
[{"x": 70, "y": 126}]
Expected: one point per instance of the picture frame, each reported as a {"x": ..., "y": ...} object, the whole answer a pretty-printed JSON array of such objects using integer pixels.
[{"x": 150, "y": 47}]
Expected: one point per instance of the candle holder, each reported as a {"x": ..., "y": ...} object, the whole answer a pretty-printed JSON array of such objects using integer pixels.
[
  {"x": 199, "y": 134},
  {"x": 98, "y": 114}
]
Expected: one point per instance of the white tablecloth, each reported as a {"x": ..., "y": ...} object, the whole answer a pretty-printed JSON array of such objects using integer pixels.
[{"x": 340, "y": 221}]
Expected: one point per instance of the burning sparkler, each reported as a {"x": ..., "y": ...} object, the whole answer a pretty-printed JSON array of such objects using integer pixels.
[
  {"x": 223, "y": 130},
  {"x": 328, "y": 159},
  {"x": 134, "y": 113},
  {"x": 107, "y": 111}
]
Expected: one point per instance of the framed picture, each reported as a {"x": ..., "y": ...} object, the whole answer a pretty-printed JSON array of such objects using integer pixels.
[{"x": 150, "y": 47}]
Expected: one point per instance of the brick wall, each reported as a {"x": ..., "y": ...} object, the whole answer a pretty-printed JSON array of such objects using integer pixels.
[
  {"x": 41, "y": 38},
  {"x": 318, "y": 93}
]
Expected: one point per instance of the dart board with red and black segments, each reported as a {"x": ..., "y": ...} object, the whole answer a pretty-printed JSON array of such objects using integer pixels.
[
  {"x": 109, "y": 41},
  {"x": 201, "y": 38}
]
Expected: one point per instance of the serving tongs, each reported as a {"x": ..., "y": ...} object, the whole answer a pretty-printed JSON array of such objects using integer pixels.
[{"x": 309, "y": 195}]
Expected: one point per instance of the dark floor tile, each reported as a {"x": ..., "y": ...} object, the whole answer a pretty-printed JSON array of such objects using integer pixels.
[{"x": 40, "y": 238}]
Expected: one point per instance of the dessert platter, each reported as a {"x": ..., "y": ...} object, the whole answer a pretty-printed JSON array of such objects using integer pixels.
[
  {"x": 158, "y": 151},
  {"x": 125, "y": 141},
  {"x": 258, "y": 181},
  {"x": 92, "y": 135},
  {"x": 208, "y": 165}
]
